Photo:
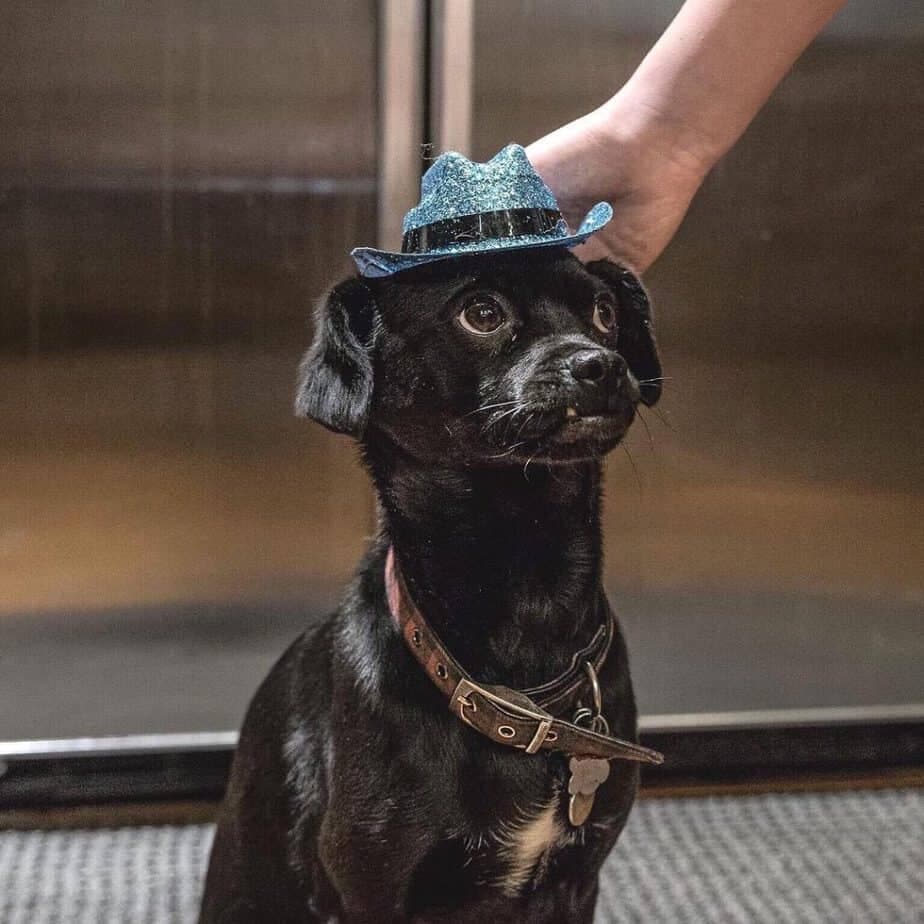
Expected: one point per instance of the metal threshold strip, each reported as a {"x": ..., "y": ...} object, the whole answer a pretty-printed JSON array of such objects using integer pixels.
[
  {"x": 679, "y": 723},
  {"x": 119, "y": 745},
  {"x": 782, "y": 718}
]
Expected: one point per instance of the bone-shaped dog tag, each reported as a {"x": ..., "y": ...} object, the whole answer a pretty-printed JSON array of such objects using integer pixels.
[{"x": 587, "y": 773}]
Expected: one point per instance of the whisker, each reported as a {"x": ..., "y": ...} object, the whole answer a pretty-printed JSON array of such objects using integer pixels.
[
  {"x": 657, "y": 378},
  {"x": 511, "y": 419},
  {"x": 638, "y": 479},
  {"x": 494, "y": 421},
  {"x": 641, "y": 417},
  {"x": 507, "y": 452},
  {"x": 488, "y": 407},
  {"x": 525, "y": 409},
  {"x": 525, "y": 423},
  {"x": 663, "y": 419}
]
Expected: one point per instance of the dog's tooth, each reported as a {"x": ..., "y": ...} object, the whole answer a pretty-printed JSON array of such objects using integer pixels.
[{"x": 571, "y": 412}]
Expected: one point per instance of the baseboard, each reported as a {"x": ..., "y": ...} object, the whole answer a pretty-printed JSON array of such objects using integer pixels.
[{"x": 162, "y": 768}]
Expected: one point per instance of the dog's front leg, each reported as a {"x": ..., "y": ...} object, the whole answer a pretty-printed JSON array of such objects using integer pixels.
[{"x": 370, "y": 861}]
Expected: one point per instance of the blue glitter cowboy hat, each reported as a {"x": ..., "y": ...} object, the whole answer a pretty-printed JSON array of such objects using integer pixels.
[{"x": 466, "y": 207}]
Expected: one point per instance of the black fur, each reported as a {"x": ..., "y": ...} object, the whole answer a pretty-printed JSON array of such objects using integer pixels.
[
  {"x": 355, "y": 795},
  {"x": 336, "y": 374}
]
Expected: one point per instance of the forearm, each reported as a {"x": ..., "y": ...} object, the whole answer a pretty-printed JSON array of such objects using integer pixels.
[
  {"x": 711, "y": 71},
  {"x": 648, "y": 148}
]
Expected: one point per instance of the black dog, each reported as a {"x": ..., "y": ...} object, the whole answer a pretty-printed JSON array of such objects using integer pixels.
[{"x": 484, "y": 393}]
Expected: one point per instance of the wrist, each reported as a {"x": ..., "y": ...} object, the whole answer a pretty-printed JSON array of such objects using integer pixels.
[{"x": 657, "y": 137}]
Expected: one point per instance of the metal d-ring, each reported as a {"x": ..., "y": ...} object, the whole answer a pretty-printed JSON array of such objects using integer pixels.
[
  {"x": 594, "y": 687},
  {"x": 583, "y": 715}
]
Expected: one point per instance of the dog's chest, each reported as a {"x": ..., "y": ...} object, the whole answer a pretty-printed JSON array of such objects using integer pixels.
[{"x": 522, "y": 845}]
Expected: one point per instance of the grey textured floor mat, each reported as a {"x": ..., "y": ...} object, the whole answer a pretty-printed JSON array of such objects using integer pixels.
[{"x": 840, "y": 857}]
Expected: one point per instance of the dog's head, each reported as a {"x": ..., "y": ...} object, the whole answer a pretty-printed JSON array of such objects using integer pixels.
[{"x": 487, "y": 360}]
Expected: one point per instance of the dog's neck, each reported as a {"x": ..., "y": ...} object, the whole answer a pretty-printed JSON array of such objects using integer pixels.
[{"x": 504, "y": 563}]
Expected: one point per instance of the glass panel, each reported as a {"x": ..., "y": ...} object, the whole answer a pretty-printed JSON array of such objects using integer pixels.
[
  {"x": 764, "y": 544},
  {"x": 178, "y": 183}
]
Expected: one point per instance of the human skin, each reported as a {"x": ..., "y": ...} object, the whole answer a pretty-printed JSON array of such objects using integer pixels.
[{"x": 648, "y": 148}]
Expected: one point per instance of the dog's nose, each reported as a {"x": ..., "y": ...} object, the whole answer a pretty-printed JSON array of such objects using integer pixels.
[{"x": 589, "y": 366}]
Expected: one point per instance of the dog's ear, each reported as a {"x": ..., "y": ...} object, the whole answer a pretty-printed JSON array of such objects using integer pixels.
[
  {"x": 636, "y": 341},
  {"x": 335, "y": 377}
]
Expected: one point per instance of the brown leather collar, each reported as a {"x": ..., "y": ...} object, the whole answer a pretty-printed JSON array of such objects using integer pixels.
[{"x": 519, "y": 719}]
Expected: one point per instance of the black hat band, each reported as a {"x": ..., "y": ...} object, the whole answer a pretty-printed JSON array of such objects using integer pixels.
[{"x": 485, "y": 226}]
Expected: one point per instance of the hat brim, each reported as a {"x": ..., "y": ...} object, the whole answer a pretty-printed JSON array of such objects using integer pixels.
[{"x": 373, "y": 263}]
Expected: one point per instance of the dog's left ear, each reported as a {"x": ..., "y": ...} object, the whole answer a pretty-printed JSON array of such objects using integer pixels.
[
  {"x": 335, "y": 377},
  {"x": 636, "y": 342}
]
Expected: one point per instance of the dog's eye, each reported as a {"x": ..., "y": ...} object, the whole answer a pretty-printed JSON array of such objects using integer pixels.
[
  {"x": 605, "y": 314},
  {"x": 482, "y": 316}
]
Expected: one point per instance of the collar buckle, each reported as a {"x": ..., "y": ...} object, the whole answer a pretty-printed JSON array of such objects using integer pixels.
[{"x": 465, "y": 706}]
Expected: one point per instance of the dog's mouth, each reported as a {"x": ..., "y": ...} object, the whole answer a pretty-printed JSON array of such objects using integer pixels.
[
  {"x": 560, "y": 432},
  {"x": 592, "y": 425}
]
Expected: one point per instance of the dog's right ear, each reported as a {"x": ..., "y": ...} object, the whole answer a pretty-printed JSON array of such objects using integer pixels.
[{"x": 335, "y": 377}]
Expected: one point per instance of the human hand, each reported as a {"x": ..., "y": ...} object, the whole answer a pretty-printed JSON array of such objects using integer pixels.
[{"x": 626, "y": 155}]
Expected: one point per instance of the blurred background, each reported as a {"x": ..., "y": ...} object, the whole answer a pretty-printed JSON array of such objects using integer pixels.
[{"x": 180, "y": 180}]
